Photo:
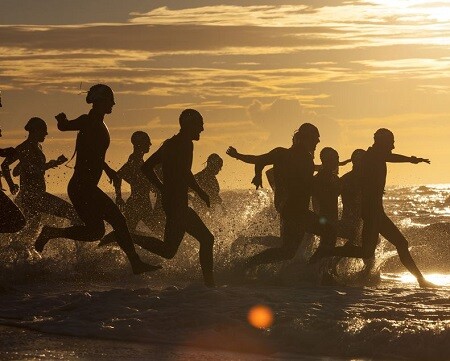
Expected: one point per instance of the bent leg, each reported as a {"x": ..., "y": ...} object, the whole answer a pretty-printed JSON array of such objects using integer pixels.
[
  {"x": 390, "y": 231},
  {"x": 58, "y": 207},
  {"x": 292, "y": 230},
  {"x": 173, "y": 235},
  {"x": 197, "y": 229},
  {"x": 369, "y": 241},
  {"x": 11, "y": 218}
]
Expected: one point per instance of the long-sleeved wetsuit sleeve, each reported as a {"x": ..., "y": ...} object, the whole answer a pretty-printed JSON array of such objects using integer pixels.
[
  {"x": 260, "y": 160},
  {"x": 399, "y": 158},
  {"x": 65, "y": 124}
]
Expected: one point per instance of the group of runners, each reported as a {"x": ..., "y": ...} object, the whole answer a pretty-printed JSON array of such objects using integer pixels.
[{"x": 167, "y": 173}]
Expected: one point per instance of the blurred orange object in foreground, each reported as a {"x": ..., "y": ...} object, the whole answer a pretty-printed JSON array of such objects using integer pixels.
[{"x": 260, "y": 316}]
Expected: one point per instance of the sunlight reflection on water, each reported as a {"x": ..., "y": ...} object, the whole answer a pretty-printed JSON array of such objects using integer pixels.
[{"x": 439, "y": 279}]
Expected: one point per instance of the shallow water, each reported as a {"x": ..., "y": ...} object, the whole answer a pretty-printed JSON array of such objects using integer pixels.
[{"x": 84, "y": 291}]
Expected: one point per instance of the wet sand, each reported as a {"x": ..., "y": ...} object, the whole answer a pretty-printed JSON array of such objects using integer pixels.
[{"x": 22, "y": 344}]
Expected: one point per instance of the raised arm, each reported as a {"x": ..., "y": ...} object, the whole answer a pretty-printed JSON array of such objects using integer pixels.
[
  {"x": 398, "y": 158},
  {"x": 13, "y": 156},
  {"x": 260, "y": 160},
  {"x": 65, "y": 124},
  {"x": 148, "y": 168}
]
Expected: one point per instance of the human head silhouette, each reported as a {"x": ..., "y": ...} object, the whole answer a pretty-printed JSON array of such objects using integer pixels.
[
  {"x": 141, "y": 141},
  {"x": 384, "y": 140},
  {"x": 330, "y": 159},
  {"x": 307, "y": 136},
  {"x": 191, "y": 123},
  {"x": 214, "y": 163},
  {"x": 37, "y": 129},
  {"x": 357, "y": 157},
  {"x": 101, "y": 97}
]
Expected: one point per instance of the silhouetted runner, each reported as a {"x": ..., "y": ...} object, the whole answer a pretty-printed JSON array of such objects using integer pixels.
[
  {"x": 175, "y": 156},
  {"x": 327, "y": 187},
  {"x": 207, "y": 180},
  {"x": 33, "y": 199},
  {"x": 11, "y": 218},
  {"x": 376, "y": 221},
  {"x": 92, "y": 205},
  {"x": 351, "y": 195},
  {"x": 138, "y": 206},
  {"x": 351, "y": 223},
  {"x": 293, "y": 178}
]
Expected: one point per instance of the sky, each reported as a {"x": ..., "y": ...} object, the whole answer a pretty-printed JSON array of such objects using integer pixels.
[{"x": 256, "y": 70}]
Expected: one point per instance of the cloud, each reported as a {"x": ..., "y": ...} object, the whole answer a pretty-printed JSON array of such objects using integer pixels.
[{"x": 279, "y": 118}]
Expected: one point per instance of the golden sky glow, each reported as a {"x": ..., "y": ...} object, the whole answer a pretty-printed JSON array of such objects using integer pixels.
[{"x": 255, "y": 69}]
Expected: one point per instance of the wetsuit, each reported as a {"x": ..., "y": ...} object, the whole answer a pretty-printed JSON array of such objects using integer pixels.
[
  {"x": 175, "y": 155},
  {"x": 91, "y": 203},
  {"x": 138, "y": 206},
  {"x": 293, "y": 179},
  {"x": 33, "y": 198},
  {"x": 11, "y": 218}
]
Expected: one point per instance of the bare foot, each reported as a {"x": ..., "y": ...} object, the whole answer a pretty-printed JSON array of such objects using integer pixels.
[{"x": 42, "y": 239}]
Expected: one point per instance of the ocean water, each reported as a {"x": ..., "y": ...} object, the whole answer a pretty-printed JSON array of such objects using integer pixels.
[{"x": 85, "y": 291}]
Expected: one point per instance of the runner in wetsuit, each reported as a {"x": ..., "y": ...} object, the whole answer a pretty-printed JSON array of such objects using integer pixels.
[
  {"x": 11, "y": 218},
  {"x": 376, "y": 221},
  {"x": 138, "y": 206},
  {"x": 92, "y": 205},
  {"x": 327, "y": 187},
  {"x": 293, "y": 176},
  {"x": 175, "y": 155},
  {"x": 33, "y": 199},
  {"x": 207, "y": 180}
]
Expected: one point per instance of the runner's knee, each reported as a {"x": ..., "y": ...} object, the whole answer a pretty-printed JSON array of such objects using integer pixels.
[
  {"x": 170, "y": 252},
  {"x": 95, "y": 231}
]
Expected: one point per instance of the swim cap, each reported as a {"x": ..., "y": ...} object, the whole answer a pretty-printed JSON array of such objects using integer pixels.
[
  {"x": 357, "y": 154},
  {"x": 328, "y": 152},
  {"x": 382, "y": 134},
  {"x": 214, "y": 158},
  {"x": 188, "y": 116},
  {"x": 99, "y": 92},
  {"x": 139, "y": 137},
  {"x": 35, "y": 123},
  {"x": 305, "y": 130}
]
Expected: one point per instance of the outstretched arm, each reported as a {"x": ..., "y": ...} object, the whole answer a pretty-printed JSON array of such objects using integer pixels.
[
  {"x": 260, "y": 160},
  {"x": 65, "y": 124},
  {"x": 344, "y": 162},
  {"x": 398, "y": 158},
  {"x": 148, "y": 168},
  {"x": 318, "y": 167}
]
